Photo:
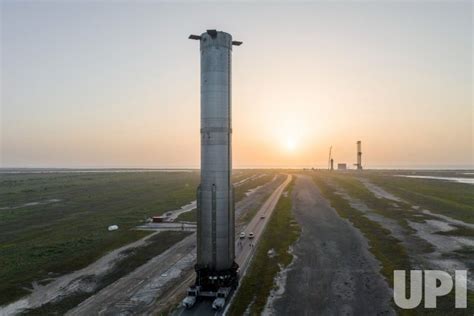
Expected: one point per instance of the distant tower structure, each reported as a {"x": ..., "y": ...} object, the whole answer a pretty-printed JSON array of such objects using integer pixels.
[
  {"x": 332, "y": 164},
  {"x": 359, "y": 155},
  {"x": 215, "y": 266},
  {"x": 330, "y": 160}
]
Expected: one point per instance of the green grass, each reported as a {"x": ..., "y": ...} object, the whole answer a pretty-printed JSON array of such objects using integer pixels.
[
  {"x": 452, "y": 199},
  {"x": 134, "y": 258},
  {"x": 401, "y": 212},
  {"x": 190, "y": 216},
  {"x": 281, "y": 232},
  {"x": 459, "y": 231},
  {"x": 247, "y": 216},
  {"x": 241, "y": 174},
  {"x": 386, "y": 248},
  {"x": 50, "y": 239},
  {"x": 250, "y": 213},
  {"x": 251, "y": 184},
  {"x": 239, "y": 194}
]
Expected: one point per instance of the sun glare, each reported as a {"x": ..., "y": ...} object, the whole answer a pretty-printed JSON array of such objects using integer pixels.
[{"x": 290, "y": 144}]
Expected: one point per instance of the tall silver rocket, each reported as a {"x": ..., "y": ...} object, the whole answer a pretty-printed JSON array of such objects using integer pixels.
[{"x": 215, "y": 195}]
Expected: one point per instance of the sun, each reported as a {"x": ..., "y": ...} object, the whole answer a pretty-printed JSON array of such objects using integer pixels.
[{"x": 290, "y": 144}]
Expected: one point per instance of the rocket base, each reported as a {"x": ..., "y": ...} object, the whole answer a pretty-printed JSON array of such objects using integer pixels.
[
  {"x": 218, "y": 285},
  {"x": 210, "y": 280}
]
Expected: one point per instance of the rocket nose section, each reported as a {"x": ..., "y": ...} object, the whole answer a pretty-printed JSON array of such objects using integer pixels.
[{"x": 215, "y": 38}]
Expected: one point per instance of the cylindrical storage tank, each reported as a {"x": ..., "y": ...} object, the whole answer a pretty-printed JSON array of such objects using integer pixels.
[{"x": 215, "y": 195}]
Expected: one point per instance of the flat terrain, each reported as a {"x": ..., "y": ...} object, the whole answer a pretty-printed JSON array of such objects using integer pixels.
[
  {"x": 445, "y": 197},
  {"x": 135, "y": 292},
  {"x": 409, "y": 223},
  {"x": 333, "y": 273},
  {"x": 245, "y": 248},
  {"x": 356, "y": 228},
  {"x": 160, "y": 282},
  {"x": 39, "y": 208},
  {"x": 55, "y": 223},
  {"x": 269, "y": 252}
]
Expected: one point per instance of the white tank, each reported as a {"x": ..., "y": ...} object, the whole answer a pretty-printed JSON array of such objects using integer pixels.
[{"x": 112, "y": 228}]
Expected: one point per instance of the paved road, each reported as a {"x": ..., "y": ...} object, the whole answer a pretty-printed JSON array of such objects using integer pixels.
[
  {"x": 165, "y": 276},
  {"x": 333, "y": 273},
  {"x": 244, "y": 247}
]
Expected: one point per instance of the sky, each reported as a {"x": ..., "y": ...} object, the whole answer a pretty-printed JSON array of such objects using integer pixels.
[{"x": 116, "y": 83}]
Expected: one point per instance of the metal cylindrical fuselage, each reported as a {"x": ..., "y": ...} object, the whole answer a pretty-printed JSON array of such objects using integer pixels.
[{"x": 215, "y": 235}]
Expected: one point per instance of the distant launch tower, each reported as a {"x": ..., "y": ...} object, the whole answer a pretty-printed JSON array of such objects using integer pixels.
[
  {"x": 359, "y": 155},
  {"x": 215, "y": 266},
  {"x": 330, "y": 161}
]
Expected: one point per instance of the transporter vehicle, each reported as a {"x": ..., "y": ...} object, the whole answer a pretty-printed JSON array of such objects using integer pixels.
[
  {"x": 222, "y": 295},
  {"x": 251, "y": 235},
  {"x": 242, "y": 235},
  {"x": 190, "y": 299}
]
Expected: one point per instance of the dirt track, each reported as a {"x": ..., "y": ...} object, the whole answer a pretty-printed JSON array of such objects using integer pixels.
[
  {"x": 333, "y": 272},
  {"x": 152, "y": 287},
  {"x": 68, "y": 283}
]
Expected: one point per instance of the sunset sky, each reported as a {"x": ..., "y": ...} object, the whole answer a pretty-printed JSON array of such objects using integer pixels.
[{"x": 116, "y": 84}]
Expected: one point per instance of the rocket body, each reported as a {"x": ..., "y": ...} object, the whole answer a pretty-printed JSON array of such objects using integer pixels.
[{"x": 216, "y": 231}]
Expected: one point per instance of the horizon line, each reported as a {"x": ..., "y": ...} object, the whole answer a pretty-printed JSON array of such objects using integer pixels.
[{"x": 413, "y": 167}]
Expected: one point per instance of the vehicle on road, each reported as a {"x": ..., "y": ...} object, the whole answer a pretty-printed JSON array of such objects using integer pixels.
[
  {"x": 251, "y": 235},
  {"x": 242, "y": 235},
  {"x": 191, "y": 298},
  {"x": 262, "y": 217},
  {"x": 222, "y": 295}
]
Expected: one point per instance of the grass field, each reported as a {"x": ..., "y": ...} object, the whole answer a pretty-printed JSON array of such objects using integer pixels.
[
  {"x": 64, "y": 226},
  {"x": 190, "y": 216},
  {"x": 386, "y": 248},
  {"x": 279, "y": 234},
  {"x": 251, "y": 184},
  {"x": 55, "y": 223},
  {"x": 452, "y": 199},
  {"x": 250, "y": 213},
  {"x": 131, "y": 259},
  {"x": 239, "y": 194},
  {"x": 400, "y": 211}
]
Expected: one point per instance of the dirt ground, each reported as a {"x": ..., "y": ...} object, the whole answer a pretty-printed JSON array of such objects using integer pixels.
[
  {"x": 69, "y": 283},
  {"x": 141, "y": 292},
  {"x": 333, "y": 272},
  {"x": 444, "y": 246}
]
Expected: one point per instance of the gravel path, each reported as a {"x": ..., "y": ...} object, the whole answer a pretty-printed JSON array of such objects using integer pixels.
[
  {"x": 333, "y": 272},
  {"x": 141, "y": 292},
  {"x": 68, "y": 283}
]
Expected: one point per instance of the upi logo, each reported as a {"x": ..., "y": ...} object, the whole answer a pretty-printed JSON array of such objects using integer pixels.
[{"x": 437, "y": 283}]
